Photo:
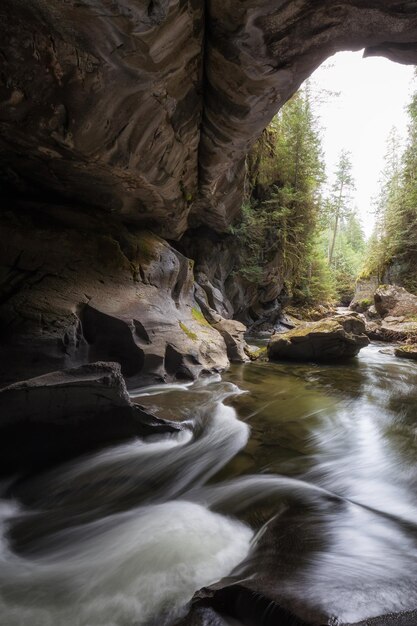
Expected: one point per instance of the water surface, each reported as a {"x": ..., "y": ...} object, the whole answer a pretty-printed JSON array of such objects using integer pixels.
[{"x": 305, "y": 473}]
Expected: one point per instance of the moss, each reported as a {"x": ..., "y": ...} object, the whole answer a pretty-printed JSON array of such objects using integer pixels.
[
  {"x": 408, "y": 351},
  {"x": 365, "y": 303},
  {"x": 188, "y": 332},
  {"x": 148, "y": 247},
  {"x": 324, "y": 326},
  {"x": 409, "y": 348},
  {"x": 257, "y": 354},
  {"x": 187, "y": 195},
  {"x": 199, "y": 317}
]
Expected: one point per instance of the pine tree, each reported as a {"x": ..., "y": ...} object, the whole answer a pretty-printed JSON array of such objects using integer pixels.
[{"x": 340, "y": 198}]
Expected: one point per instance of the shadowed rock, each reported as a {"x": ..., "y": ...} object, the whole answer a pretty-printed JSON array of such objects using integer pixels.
[
  {"x": 106, "y": 104},
  {"x": 54, "y": 417}
]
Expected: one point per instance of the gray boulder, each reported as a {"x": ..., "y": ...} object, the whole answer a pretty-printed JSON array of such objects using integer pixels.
[
  {"x": 395, "y": 302},
  {"x": 326, "y": 340}
]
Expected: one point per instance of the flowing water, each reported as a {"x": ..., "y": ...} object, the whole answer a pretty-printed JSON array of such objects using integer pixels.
[{"x": 326, "y": 454}]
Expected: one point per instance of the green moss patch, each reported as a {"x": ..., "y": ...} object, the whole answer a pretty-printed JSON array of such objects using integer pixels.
[
  {"x": 199, "y": 317},
  {"x": 188, "y": 332},
  {"x": 324, "y": 326}
]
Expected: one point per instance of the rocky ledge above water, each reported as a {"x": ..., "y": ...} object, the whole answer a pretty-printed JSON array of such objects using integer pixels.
[{"x": 60, "y": 415}]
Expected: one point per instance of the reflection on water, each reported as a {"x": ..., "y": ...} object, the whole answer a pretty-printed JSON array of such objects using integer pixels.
[{"x": 327, "y": 480}]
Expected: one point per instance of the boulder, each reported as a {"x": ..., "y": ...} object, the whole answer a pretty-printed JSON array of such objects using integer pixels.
[
  {"x": 364, "y": 294},
  {"x": 233, "y": 333},
  {"x": 56, "y": 416},
  {"x": 393, "y": 302},
  {"x": 407, "y": 352},
  {"x": 372, "y": 313},
  {"x": 327, "y": 340},
  {"x": 391, "y": 331}
]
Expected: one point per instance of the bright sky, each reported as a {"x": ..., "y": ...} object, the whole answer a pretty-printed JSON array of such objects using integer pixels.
[{"x": 373, "y": 95}]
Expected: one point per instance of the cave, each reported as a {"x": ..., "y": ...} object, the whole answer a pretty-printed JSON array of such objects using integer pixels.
[
  {"x": 124, "y": 131},
  {"x": 120, "y": 119}
]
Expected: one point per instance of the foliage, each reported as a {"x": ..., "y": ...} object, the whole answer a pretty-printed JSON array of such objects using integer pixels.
[
  {"x": 392, "y": 252},
  {"x": 279, "y": 217},
  {"x": 286, "y": 222}
]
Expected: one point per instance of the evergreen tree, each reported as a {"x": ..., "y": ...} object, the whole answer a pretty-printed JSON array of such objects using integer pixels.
[
  {"x": 339, "y": 206},
  {"x": 393, "y": 246},
  {"x": 286, "y": 172}
]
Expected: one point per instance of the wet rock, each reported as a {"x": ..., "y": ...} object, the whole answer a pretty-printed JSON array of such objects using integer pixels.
[
  {"x": 202, "y": 616},
  {"x": 56, "y": 416},
  {"x": 407, "y": 352},
  {"x": 256, "y": 353},
  {"x": 327, "y": 340},
  {"x": 393, "y": 302},
  {"x": 391, "y": 331}
]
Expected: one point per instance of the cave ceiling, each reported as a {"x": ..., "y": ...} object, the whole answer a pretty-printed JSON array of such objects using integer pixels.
[{"x": 145, "y": 110}]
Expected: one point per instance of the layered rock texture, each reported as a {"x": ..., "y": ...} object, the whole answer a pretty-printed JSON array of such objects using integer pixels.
[
  {"x": 394, "y": 301},
  {"x": 73, "y": 298},
  {"x": 118, "y": 116}
]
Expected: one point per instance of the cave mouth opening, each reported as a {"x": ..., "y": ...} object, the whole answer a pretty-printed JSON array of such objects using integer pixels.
[{"x": 361, "y": 102}]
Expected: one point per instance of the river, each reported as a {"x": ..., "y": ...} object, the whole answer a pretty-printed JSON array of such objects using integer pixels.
[{"x": 125, "y": 537}]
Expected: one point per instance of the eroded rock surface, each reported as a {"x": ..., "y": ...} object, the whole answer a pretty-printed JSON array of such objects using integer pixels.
[
  {"x": 101, "y": 106},
  {"x": 71, "y": 298},
  {"x": 102, "y": 102},
  {"x": 116, "y": 115}
]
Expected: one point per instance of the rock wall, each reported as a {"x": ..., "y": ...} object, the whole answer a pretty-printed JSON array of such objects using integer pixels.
[
  {"x": 102, "y": 102},
  {"x": 71, "y": 297},
  {"x": 217, "y": 262}
]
